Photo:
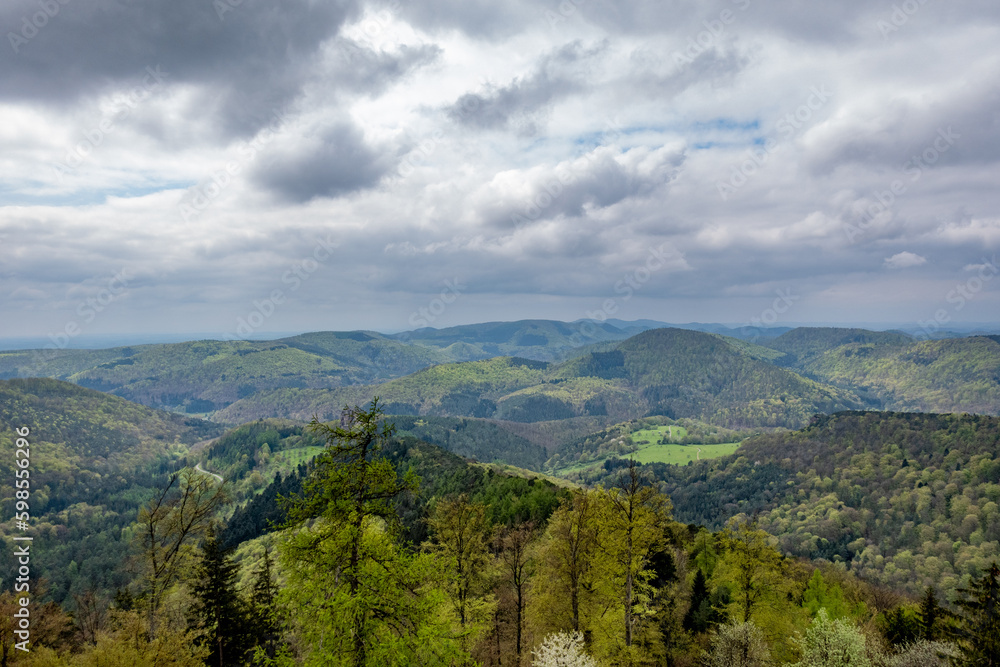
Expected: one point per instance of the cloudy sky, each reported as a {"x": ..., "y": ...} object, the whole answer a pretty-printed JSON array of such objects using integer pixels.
[{"x": 180, "y": 165}]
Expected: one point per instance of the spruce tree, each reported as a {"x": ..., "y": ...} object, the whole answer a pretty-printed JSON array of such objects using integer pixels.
[
  {"x": 699, "y": 593},
  {"x": 980, "y": 622},
  {"x": 263, "y": 627},
  {"x": 930, "y": 611},
  {"x": 219, "y": 609}
]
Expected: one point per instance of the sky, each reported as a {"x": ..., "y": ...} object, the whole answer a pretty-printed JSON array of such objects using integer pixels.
[{"x": 242, "y": 166}]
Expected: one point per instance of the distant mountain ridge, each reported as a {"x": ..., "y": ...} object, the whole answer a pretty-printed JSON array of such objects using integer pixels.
[
  {"x": 295, "y": 376},
  {"x": 670, "y": 372}
]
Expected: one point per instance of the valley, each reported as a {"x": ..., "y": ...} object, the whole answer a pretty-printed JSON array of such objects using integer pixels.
[{"x": 866, "y": 456}]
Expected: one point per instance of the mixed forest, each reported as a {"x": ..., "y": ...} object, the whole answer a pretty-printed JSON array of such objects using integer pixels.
[{"x": 661, "y": 497}]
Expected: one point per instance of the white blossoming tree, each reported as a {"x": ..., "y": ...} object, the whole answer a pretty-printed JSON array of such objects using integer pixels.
[{"x": 563, "y": 649}]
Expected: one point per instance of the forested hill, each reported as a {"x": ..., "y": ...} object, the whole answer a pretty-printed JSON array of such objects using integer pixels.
[
  {"x": 669, "y": 372},
  {"x": 907, "y": 499},
  {"x": 898, "y": 372},
  {"x": 94, "y": 460},
  {"x": 203, "y": 376}
]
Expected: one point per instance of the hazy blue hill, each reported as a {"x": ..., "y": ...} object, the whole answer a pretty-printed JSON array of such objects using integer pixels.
[{"x": 544, "y": 340}]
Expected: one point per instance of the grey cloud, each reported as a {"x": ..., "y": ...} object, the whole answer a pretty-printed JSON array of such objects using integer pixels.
[
  {"x": 555, "y": 76},
  {"x": 334, "y": 162},
  {"x": 363, "y": 69},
  {"x": 602, "y": 178},
  {"x": 254, "y": 56},
  {"x": 481, "y": 18}
]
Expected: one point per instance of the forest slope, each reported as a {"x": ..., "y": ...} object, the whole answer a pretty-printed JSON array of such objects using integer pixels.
[
  {"x": 907, "y": 499},
  {"x": 670, "y": 372}
]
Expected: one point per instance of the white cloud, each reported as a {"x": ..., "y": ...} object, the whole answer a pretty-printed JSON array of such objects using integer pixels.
[
  {"x": 904, "y": 260},
  {"x": 374, "y": 150}
]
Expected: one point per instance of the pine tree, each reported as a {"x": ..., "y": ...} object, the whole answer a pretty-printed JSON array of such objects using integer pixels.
[
  {"x": 219, "y": 608},
  {"x": 980, "y": 623},
  {"x": 930, "y": 611},
  {"x": 263, "y": 625},
  {"x": 699, "y": 593}
]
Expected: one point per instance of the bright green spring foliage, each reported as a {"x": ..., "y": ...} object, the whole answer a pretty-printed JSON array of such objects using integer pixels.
[
  {"x": 461, "y": 542},
  {"x": 819, "y": 595},
  {"x": 360, "y": 597},
  {"x": 833, "y": 643}
]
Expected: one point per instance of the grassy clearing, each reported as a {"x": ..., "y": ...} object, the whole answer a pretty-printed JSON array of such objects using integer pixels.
[
  {"x": 651, "y": 436},
  {"x": 682, "y": 454},
  {"x": 292, "y": 458}
]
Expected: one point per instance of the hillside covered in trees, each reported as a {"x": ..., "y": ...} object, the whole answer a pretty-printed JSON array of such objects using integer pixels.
[
  {"x": 909, "y": 500},
  {"x": 670, "y": 372},
  {"x": 436, "y": 561}
]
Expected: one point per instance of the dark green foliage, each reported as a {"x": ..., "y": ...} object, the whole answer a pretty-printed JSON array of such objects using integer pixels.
[
  {"x": 696, "y": 618},
  {"x": 264, "y": 512},
  {"x": 263, "y": 623},
  {"x": 980, "y": 620},
  {"x": 930, "y": 615},
  {"x": 479, "y": 440},
  {"x": 219, "y": 610},
  {"x": 900, "y": 626}
]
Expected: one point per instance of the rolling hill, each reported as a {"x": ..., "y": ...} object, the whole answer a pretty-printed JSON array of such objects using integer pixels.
[
  {"x": 670, "y": 372},
  {"x": 897, "y": 372},
  {"x": 204, "y": 376},
  {"x": 95, "y": 459}
]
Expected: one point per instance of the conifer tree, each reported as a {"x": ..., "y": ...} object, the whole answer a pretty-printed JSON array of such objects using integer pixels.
[
  {"x": 264, "y": 628},
  {"x": 980, "y": 623},
  {"x": 360, "y": 598},
  {"x": 699, "y": 594},
  {"x": 221, "y": 612},
  {"x": 930, "y": 612}
]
